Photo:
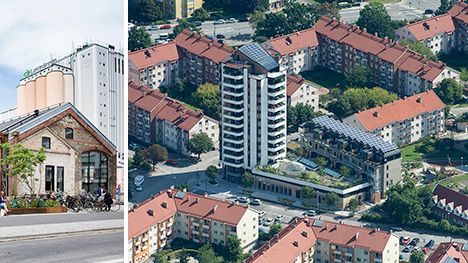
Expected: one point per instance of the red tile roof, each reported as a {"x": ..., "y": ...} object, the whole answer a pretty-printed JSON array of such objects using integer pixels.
[
  {"x": 162, "y": 107},
  {"x": 202, "y": 46},
  {"x": 448, "y": 249},
  {"x": 400, "y": 110},
  {"x": 460, "y": 12},
  {"x": 387, "y": 50},
  {"x": 293, "y": 42},
  {"x": 352, "y": 236},
  {"x": 294, "y": 82},
  {"x": 154, "y": 55},
  {"x": 210, "y": 208},
  {"x": 281, "y": 248},
  {"x": 195, "y": 205},
  {"x": 431, "y": 27},
  {"x": 140, "y": 221}
]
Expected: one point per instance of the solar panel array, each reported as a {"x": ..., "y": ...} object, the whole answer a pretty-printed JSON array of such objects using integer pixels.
[
  {"x": 332, "y": 173},
  {"x": 308, "y": 163},
  {"x": 368, "y": 139},
  {"x": 256, "y": 53}
]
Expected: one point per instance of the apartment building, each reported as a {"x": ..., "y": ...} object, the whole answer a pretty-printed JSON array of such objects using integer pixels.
[
  {"x": 403, "y": 121},
  {"x": 176, "y": 9},
  {"x": 370, "y": 158},
  {"x": 253, "y": 105},
  {"x": 308, "y": 240},
  {"x": 451, "y": 205},
  {"x": 297, "y": 52},
  {"x": 201, "y": 57},
  {"x": 179, "y": 214},
  {"x": 300, "y": 91},
  {"x": 153, "y": 117},
  {"x": 392, "y": 66},
  {"x": 78, "y": 155},
  {"x": 449, "y": 252},
  {"x": 92, "y": 79},
  {"x": 441, "y": 33},
  {"x": 156, "y": 66}
]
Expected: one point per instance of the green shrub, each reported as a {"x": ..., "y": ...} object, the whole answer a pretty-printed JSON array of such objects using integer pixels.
[{"x": 52, "y": 203}]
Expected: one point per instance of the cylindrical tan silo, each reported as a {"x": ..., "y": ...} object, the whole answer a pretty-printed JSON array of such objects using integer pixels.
[
  {"x": 30, "y": 96},
  {"x": 41, "y": 93},
  {"x": 54, "y": 88},
  {"x": 21, "y": 99},
  {"x": 68, "y": 88}
]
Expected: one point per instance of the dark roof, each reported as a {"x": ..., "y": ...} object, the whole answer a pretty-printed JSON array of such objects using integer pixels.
[
  {"x": 450, "y": 196},
  {"x": 255, "y": 52}
]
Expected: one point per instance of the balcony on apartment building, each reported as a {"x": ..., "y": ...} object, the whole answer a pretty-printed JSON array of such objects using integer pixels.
[
  {"x": 238, "y": 92},
  {"x": 235, "y": 147},
  {"x": 233, "y": 99},
  {"x": 276, "y": 90},
  {"x": 233, "y": 155},
  {"x": 233, "y": 115},
  {"x": 233, "y": 107},
  {"x": 232, "y": 73},
  {"x": 233, "y": 131}
]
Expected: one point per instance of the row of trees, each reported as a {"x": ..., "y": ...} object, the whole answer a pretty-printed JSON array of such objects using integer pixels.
[
  {"x": 300, "y": 114},
  {"x": 145, "y": 11}
]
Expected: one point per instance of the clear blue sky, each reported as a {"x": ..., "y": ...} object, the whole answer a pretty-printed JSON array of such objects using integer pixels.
[{"x": 34, "y": 31}]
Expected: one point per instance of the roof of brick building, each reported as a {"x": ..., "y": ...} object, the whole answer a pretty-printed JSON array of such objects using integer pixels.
[
  {"x": 293, "y": 42},
  {"x": 154, "y": 55},
  {"x": 431, "y": 27},
  {"x": 449, "y": 252}
]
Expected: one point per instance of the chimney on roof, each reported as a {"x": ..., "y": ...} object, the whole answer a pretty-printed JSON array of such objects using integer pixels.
[
  {"x": 376, "y": 34},
  {"x": 356, "y": 236},
  {"x": 288, "y": 41},
  {"x": 215, "y": 208},
  {"x": 197, "y": 200},
  {"x": 296, "y": 244},
  {"x": 376, "y": 114},
  {"x": 150, "y": 212}
]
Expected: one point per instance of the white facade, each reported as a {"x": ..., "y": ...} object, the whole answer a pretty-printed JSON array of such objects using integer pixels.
[
  {"x": 160, "y": 75},
  {"x": 300, "y": 60},
  {"x": 443, "y": 42},
  {"x": 253, "y": 117},
  {"x": 306, "y": 94}
]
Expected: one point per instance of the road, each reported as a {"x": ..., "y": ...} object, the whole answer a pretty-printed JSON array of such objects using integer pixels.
[
  {"x": 397, "y": 11},
  {"x": 96, "y": 248},
  {"x": 37, "y": 219}
]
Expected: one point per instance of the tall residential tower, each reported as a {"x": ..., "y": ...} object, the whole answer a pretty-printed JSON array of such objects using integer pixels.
[{"x": 253, "y": 104}]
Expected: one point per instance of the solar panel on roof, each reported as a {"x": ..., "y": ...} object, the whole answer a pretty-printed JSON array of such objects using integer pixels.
[
  {"x": 180, "y": 195},
  {"x": 256, "y": 53},
  {"x": 448, "y": 259},
  {"x": 465, "y": 247}
]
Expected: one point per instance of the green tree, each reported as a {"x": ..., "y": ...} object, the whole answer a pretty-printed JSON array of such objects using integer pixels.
[
  {"x": 138, "y": 158},
  {"x": 206, "y": 254},
  {"x": 178, "y": 90},
  {"x": 274, "y": 229},
  {"x": 274, "y": 25},
  {"x": 155, "y": 154},
  {"x": 326, "y": 9},
  {"x": 212, "y": 172},
  {"x": 149, "y": 11},
  {"x": 358, "y": 76},
  {"x": 449, "y": 91},
  {"x": 356, "y": 99},
  {"x": 207, "y": 97},
  {"x": 300, "y": 114},
  {"x": 375, "y": 19},
  {"x": 308, "y": 192},
  {"x": 21, "y": 163},
  {"x": 464, "y": 74},
  {"x": 182, "y": 24},
  {"x": 247, "y": 179},
  {"x": 138, "y": 39},
  {"x": 420, "y": 48},
  {"x": 331, "y": 198},
  {"x": 321, "y": 161},
  {"x": 403, "y": 204},
  {"x": 200, "y": 14},
  {"x": 417, "y": 257},
  {"x": 200, "y": 143},
  {"x": 299, "y": 151},
  {"x": 445, "y": 6},
  {"x": 344, "y": 170},
  {"x": 238, "y": 6},
  {"x": 158, "y": 258},
  {"x": 353, "y": 205},
  {"x": 255, "y": 18},
  {"x": 233, "y": 249}
]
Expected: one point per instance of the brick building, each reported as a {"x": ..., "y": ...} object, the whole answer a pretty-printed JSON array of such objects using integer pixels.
[
  {"x": 451, "y": 205},
  {"x": 78, "y": 155}
]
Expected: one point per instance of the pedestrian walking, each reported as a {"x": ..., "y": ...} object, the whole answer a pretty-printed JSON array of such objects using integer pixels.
[{"x": 117, "y": 193}]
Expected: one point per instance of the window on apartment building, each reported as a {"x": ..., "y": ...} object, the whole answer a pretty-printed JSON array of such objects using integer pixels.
[
  {"x": 49, "y": 178},
  {"x": 46, "y": 142},
  {"x": 68, "y": 133}
]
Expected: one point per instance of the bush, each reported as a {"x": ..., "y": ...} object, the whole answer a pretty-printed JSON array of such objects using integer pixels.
[
  {"x": 374, "y": 217},
  {"x": 52, "y": 203}
]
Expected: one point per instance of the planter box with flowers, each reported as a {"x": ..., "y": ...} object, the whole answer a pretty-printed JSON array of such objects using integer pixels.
[{"x": 19, "y": 206}]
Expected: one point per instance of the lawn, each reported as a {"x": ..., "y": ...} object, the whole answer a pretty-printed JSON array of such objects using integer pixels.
[
  {"x": 410, "y": 152},
  {"x": 457, "y": 182},
  {"x": 324, "y": 77}
]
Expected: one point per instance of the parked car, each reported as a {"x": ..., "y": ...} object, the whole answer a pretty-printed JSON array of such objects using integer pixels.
[
  {"x": 171, "y": 162},
  {"x": 425, "y": 250},
  {"x": 428, "y": 12},
  {"x": 138, "y": 188},
  {"x": 416, "y": 248},
  {"x": 219, "y": 22},
  {"x": 220, "y": 36},
  {"x": 139, "y": 179},
  {"x": 167, "y": 26},
  {"x": 256, "y": 202},
  {"x": 279, "y": 218},
  {"x": 221, "y": 41},
  {"x": 404, "y": 240},
  {"x": 408, "y": 249},
  {"x": 232, "y": 20},
  {"x": 310, "y": 213},
  {"x": 268, "y": 222},
  {"x": 261, "y": 213},
  {"x": 197, "y": 23},
  {"x": 243, "y": 199},
  {"x": 430, "y": 244},
  {"x": 414, "y": 242}
]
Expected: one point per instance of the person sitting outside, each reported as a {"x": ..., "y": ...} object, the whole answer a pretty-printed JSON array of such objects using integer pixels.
[{"x": 3, "y": 206}]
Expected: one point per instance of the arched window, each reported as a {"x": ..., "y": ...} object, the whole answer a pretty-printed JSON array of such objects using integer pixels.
[
  {"x": 94, "y": 170},
  {"x": 68, "y": 133}
]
